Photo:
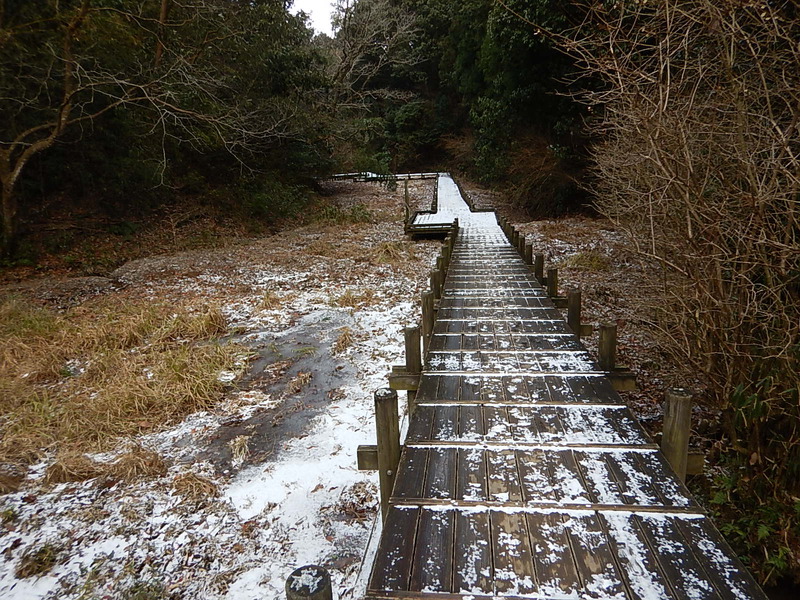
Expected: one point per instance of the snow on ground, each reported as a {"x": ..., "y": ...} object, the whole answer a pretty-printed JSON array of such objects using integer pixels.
[{"x": 300, "y": 501}]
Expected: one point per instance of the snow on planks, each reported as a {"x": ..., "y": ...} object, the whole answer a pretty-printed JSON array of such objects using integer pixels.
[{"x": 524, "y": 475}]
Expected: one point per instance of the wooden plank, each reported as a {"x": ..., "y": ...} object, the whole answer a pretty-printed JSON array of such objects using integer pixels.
[
  {"x": 440, "y": 478},
  {"x": 582, "y": 389},
  {"x": 491, "y": 390},
  {"x": 421, "y": 424},
  {"x": 515, "y": 389},
  {"x": 560, "y": 390},
  {"x": 503, "y": 476},
  {"x": 629, "y": 429},
  {"x": 567, "y": 480},
  {"x": 552, "y": 556},
  {"x": 445, "y": 425},
  {"x": 367, "y": 457},
  {"x": 634, "y": 487},
  {"x": 472, "y": 568},
  {"x": 392, "y": 568},
  {"x": 675, "y": 557},
  {"x": 432, "y": 569},
  {"x": 470, "y": 423},
  {"x": 512, "y": 558},
  {"x": 469, "y": 342},
  {"x": 538, "y": 391},
  {"x": 471, "y": 480},
  {"x": 670, "y": 490},
  {"x": 471, "y": 388},
  {"x": 496, "y": 423},
  {"x": 521, "y": 426},
  {"x": 637, "y": 562},
  {"x": 729, "y": 577},
  {"x": 593, "y": 557},
  {"x": 604, "y": 391},
  {"x": 535, "y": 476},
  {"x": 449, "y": 387},
  {"x": 547, "y": 424},
  {"x": 428, "y": 386},
  {"x": 599, "y": 478},
  {"x": 411, "y": 473}
]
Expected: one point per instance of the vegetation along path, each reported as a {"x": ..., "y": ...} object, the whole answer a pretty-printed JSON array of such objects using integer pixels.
[{"x": 523, "y": 473}]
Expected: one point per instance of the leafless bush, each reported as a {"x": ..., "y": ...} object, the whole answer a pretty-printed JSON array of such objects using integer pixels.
[
  {"x": 697, "y": 107},
  {"x": 697, "y": 104}
]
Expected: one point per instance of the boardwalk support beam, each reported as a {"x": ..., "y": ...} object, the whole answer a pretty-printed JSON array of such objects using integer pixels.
[
  {"x": 538, "y": 267},
  {"x": 677, "y": 425},
  {"x": 574, "y": 315},
  {"x": 552, "y": 282},
  {"x": 607, "y": 351},
  {"x": 622, "y": 378},
  {"x": 413, "y": 361},
  {"x": 387, "y": 427},
  {"x": 309, "y": 583},
  {"x": 427, "y": 320}
]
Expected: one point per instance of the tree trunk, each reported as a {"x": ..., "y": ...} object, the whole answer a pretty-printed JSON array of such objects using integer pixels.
[
  {"x": 162, "y": 19},
  {"x": 8, "y": 244}
]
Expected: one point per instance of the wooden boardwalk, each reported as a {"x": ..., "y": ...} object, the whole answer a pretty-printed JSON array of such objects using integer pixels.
[{"x": 524, "y": 475}]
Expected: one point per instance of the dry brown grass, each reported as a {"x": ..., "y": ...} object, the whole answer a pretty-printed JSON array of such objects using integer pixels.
[
  {"x": 81, "y": 379},
  {"x": 240, "y": 448},
  {"x": 9, "y": 483},
  {"x": 331, "y": 247},
  {"x": 344, "y": 341},
  {"x": 390, "y": 253},
  {"x": 351, "y": 299},
  {"x": 270, "y": 301},
  {"x": 587, "y": 261},
  {"x": 73, "y": 466},
  {"x": 37, "y": 561},
  {"x": 138, "y": 463},
  {"x": 296, "y": 385},
  {"x": 195, "y": 487}
]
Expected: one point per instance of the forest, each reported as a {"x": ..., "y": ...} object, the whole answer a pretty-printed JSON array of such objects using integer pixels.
[{"x": 677, "y": 120}]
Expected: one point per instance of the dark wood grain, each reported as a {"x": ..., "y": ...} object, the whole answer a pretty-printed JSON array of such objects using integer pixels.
[{"x": 432, "y": 569}]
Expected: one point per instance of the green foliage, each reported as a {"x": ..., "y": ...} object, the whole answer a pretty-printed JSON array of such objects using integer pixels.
[
  {"x": 759, "y": 527},
  {"x": 231, "y": 79}
]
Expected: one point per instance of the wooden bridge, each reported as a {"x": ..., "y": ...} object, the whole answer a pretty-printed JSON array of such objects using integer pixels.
[{"x": 524, "y": 474}]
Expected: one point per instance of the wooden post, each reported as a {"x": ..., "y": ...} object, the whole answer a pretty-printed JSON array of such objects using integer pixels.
[
  {"x": 387, "y": 427},
  {"x": 538, "y": 267},
  {"x": 427, "y": 320},
  {"x": 552, "y": 282},
  {"x": 528, "y": 254},
  {"x": 677, "y": 426},
  {"x": 309, "y": 583},
  {"x": 413, "y": 361},
  {"x": 436, "y": 284},
  {"x": 440, "y": 262},
  {"x": 574, "y": 311},
  {"x": 521, "y": 244},
  {"x": 607, "y": 350}
]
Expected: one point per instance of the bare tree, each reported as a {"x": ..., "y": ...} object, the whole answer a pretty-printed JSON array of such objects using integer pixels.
[
  {"x": 60, "y": 72},
  {"x": 698, "y": 105},
  {"x": 372, "y": 39}
]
